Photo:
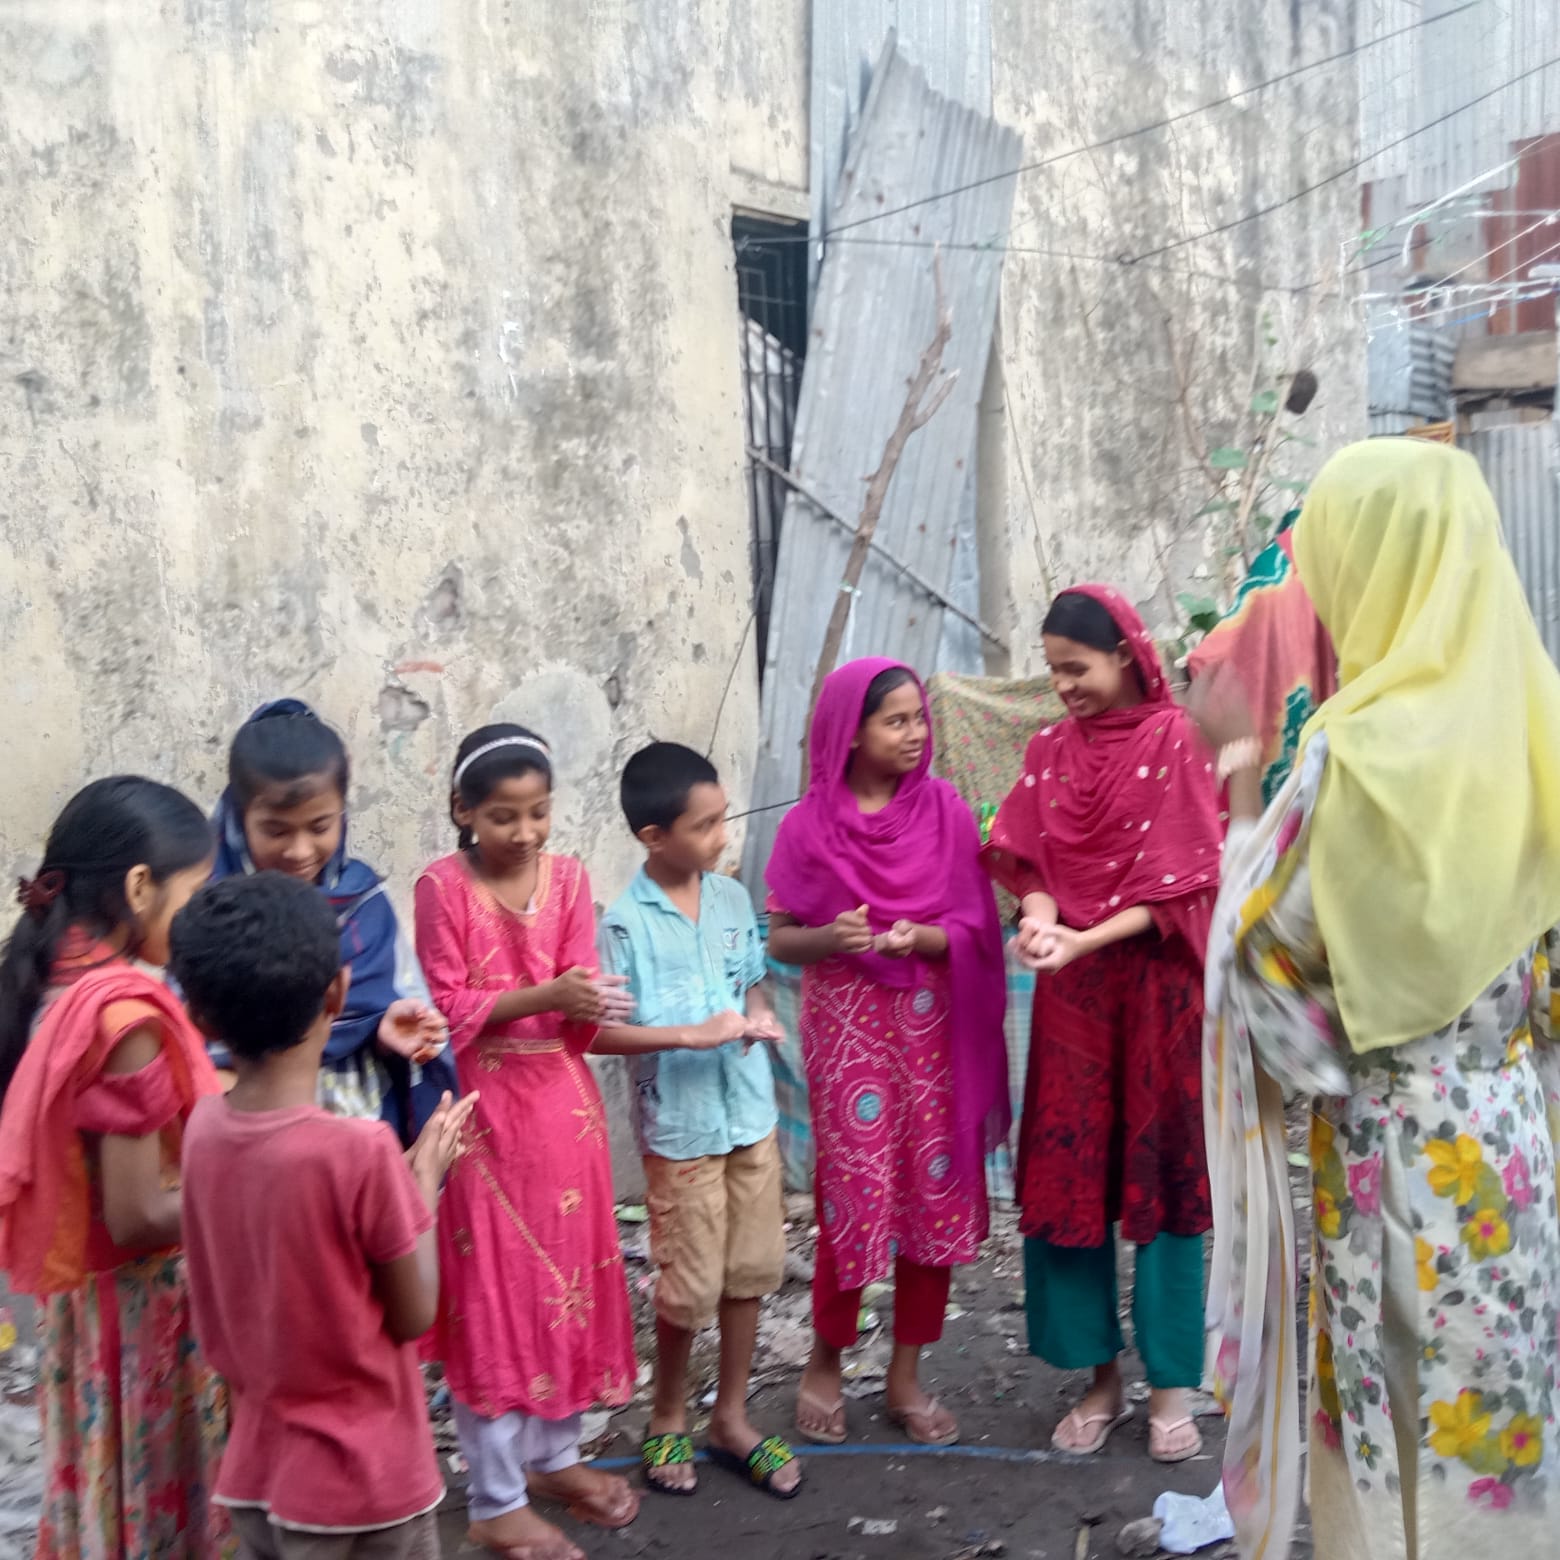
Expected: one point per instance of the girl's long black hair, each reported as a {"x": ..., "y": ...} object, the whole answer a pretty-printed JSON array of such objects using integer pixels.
[
  {"x": 106, "y": 829},
  {"x": 1083, "y": 620},
  {"x": 516, "y": 752}
]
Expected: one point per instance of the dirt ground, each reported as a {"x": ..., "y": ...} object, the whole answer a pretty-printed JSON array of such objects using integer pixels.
[{"x": 1001, "y": 1492}]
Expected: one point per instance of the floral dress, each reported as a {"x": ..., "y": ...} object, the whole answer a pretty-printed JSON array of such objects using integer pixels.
[{"x": 1435, "y": 1283}]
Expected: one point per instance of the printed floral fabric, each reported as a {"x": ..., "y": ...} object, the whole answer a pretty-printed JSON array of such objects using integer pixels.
[
  {"x": 133, "y": 1422},
  {"x": 1435, "y": 1295}
]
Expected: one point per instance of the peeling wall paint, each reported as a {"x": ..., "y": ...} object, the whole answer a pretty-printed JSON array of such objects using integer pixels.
[
  {"x": 361, "y": 353},
  {"x": 1099, "y": 481}
]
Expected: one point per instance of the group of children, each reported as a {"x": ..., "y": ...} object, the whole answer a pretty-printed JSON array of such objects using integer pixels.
[{"x": 258, "y": 1190}]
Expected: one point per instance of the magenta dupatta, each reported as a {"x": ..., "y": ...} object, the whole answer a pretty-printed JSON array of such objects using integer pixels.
[{"x": 916, "y": 860}]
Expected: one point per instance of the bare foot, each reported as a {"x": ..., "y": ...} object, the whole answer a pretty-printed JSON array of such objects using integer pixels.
[
  {"x": 1103, "y": 1403},
  {"x": 676, "y": 1476},
  {"x": 522, "y": 1535},
  {"x": 738, "y": 1436},
  {"x": 602, "y": 1499},
  {"x": 1173, "y": 1435}
]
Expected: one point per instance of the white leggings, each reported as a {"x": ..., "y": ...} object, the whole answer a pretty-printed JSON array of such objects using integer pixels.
[{"x": 499, "y": 1451}]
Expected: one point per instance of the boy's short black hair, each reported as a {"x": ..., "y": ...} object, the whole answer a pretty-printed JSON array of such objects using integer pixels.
[
  {"x": 657, "y": 781},
  {"x": 254, "y": 957}
]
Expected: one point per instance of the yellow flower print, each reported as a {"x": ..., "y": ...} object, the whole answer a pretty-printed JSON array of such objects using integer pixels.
[
  {"x": 7, "y": 1333},
  {"x": 1424, "y": 1255},
  {"x": 1322, "y": 1136},
  {"x": 1486, "y": 1234},
  {"x": 1459, "y": 1426},
  {"x": 1522, "y": 1441},
  {"x": 1327, "y": 1379},
  {"x": 1520, "y": 1043},
  {"x": 1328, "y": 1220},
  {"x": 1455, "y": 1166}
]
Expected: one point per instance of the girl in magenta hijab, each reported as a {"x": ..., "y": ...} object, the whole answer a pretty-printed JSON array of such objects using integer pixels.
[
  {"x": 1111, "y": 839},
  {"x": 876, "y": 889}
]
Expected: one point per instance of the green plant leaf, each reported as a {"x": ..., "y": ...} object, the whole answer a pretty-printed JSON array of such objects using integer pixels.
[
  {"x": 1228, "y": 459},
  {"x": 1217, "y": 506},
  {"x": 1202, "y": 614},
  {"x": 1265, "y": 402}
]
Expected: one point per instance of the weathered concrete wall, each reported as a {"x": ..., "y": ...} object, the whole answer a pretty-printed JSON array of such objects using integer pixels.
[
  {"x": 379, "y": 354},
  {"x": 1095, "y": 354}
]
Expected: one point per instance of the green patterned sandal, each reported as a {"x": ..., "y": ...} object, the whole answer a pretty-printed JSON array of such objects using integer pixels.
[
  {"x": 760, "y": 1465},
  {"x": 671, "y": 1450}
]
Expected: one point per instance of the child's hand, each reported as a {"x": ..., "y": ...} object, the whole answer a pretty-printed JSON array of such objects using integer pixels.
[
  {"x": 617, "y": 1001},
  {"x": 717, "y": 1031},
  {"x": 763, "y": 1028},
  {"x": 851, "y": 932},
  {"x": 576, "y": 995},
  {"x": 412, "y": 1029},
  {"x": 1059, "y": 948},
  {"x": 1032, "y": 935},
  {"x": 898, "y": 942},
  {"x": 438, "y": 1145}
]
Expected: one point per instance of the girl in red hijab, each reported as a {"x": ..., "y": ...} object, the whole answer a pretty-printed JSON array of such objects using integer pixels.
[{"x": 1110, "y": 840}]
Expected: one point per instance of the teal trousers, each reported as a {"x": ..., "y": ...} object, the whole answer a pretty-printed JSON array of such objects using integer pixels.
[{"x": 1074, "y": 1315}]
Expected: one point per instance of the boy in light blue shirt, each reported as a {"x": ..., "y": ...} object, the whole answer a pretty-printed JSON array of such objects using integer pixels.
[{"x": 704, "y": 1109}]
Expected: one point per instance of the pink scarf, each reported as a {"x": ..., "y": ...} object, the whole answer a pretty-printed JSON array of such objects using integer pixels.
[
  {"x": 1117, "y": 809},
  {"x": 916, "y": 860}
]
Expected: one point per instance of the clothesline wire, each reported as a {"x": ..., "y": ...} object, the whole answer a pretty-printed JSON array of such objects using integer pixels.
[
  {"x": 1340, "y": 173},
  {"x": 1145, "y": 257},
  {"x": 1158, "y": 124},
  {"x": 1547, "y": 220}
]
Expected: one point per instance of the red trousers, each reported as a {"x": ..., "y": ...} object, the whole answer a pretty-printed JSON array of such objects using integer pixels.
[{"x": 920, "y": 1301}]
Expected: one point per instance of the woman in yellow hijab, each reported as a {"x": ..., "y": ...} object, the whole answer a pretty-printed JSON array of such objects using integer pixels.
[{"x": 1382, "y": 944}]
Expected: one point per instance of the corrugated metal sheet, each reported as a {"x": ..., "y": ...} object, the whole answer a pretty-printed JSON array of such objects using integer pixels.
[
  {"x": 1414, "y": 79},
  {"x": 1408, "y": 374},
  {"x": 949, "y": 39},
  {"x": 1522, "y": 466},
  {"x": 874, "y": 315}
]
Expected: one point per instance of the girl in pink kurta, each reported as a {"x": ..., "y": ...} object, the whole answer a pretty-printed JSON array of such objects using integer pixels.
[
  {"x": 876, "y": 887},
  {"x": 534, "y": 1324}
]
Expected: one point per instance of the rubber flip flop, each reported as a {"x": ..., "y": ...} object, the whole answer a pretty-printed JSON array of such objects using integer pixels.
[
  {"x": 1157, "y": 1428},
  {"x": 1108, "y": 1423},
  {"x": 909, "y": 1419},
  {"x": 814, "y": 1405}
]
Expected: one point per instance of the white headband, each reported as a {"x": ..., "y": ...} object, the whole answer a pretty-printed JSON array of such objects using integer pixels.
[{"x": 493, "y": 747}]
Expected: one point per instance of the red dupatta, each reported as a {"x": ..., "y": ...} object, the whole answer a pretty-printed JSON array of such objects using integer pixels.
[
  {"x": 45, "y": 1196},
  {"x": 1118, "y": 809}
]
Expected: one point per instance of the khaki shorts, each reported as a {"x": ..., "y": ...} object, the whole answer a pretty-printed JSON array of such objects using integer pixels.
[
  {"x": 717, "y": 1230},
  {"x": 260, "y": 1539}
]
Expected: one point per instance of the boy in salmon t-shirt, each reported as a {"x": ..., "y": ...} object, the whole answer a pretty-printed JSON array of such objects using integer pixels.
[{"x": 309, "y": 1242}]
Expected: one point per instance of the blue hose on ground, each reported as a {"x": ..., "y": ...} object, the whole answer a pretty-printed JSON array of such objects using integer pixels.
[{"x": 1007, "y": 1454}]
